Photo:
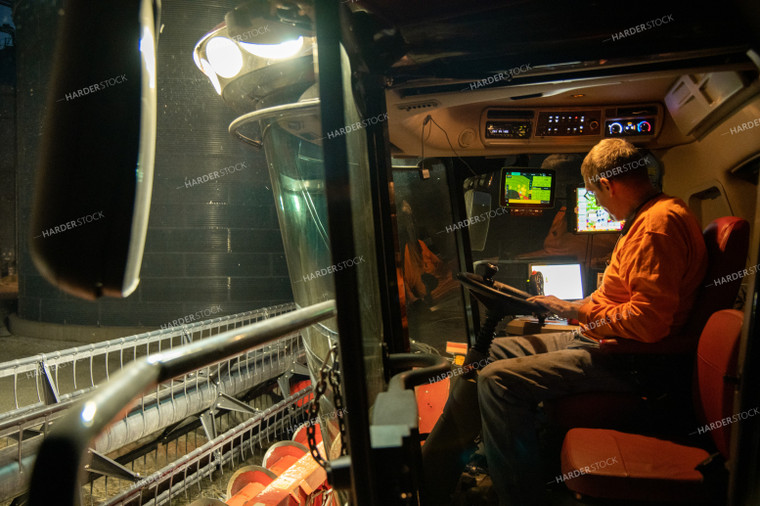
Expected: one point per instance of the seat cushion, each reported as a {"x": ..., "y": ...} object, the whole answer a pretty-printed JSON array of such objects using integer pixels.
[{"x": 616, "y": 465}]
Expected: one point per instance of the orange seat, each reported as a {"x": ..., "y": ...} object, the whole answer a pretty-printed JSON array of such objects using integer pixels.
[
  {"x": 615, "y": 465},
  {"x": 727, "y": 243}
]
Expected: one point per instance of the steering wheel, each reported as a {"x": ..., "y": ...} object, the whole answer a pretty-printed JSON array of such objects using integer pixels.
[
  {"x": 498, "y": 297},
  {"x": 500, "y": 300}
]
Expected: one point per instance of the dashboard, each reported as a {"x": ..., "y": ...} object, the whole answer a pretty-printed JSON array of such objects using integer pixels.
[{"x": 506, "y": 126}]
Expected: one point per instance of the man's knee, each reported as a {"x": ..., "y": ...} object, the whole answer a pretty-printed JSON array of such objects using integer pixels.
[
  {"x": 487, "y": 381},
  {"x": 496, "y": 382}
]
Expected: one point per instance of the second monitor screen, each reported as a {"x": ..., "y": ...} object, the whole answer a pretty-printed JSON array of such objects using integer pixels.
[{"x": 590, "y": 216}]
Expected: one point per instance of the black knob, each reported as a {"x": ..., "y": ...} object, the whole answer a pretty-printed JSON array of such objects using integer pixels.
[
  {"x": 536, "y": 283},
  {"x": 491, "y": 269}
]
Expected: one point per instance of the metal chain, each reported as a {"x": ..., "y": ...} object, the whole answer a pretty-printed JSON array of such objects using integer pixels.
[
  {"x": 334, "y": 377},
  {"x": 326, "y": 374}
]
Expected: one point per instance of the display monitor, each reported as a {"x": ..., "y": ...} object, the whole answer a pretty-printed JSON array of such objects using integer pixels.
[
  {"x": 527, "y": 188},
  {"x": 590, "y": 217},
  {"x": 561, "y": 280}
]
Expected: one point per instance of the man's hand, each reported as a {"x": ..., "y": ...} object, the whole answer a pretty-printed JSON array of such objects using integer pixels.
[{"x": 558, "y": 306}]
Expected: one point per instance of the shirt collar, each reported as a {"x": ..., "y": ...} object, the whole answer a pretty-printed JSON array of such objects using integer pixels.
[{"x": 635, "y": 213}]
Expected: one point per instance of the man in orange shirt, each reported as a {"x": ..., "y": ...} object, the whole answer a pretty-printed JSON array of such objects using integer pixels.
[
  {"x": 646, "y": 295},
  {"x": 656, "y": 266}
]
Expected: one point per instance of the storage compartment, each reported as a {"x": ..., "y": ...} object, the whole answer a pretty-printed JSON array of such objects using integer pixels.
[{"x": 694, "y": 97}]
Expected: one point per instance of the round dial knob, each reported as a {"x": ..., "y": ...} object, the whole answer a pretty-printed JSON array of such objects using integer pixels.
[
  {"x": 616, "y": 128},
  {"x": 644, "y": 126},
  {"x": 491, "y": 270}
]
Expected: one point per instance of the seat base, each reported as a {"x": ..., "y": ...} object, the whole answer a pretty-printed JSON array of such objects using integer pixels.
[{"x": 616, "y": 465}]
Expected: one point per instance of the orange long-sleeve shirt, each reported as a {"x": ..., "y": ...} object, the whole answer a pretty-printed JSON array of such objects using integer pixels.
[{"x": 652, "y": 279}]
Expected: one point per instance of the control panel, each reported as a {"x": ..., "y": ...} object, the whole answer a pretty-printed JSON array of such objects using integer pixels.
[
  {"x": 568, "y": 123},
  {"x": 500, "y": 125},
  {"x": 629, "y": 127},
  {"x": 526, "y": 212},
  {"x": 516, "y": 129}
]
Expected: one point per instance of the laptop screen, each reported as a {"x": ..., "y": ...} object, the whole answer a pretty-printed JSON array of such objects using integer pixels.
[{"x": 561, "y": 280}]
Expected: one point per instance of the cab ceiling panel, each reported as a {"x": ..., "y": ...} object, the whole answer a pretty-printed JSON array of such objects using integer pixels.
[{"x": 463, "y": 40}]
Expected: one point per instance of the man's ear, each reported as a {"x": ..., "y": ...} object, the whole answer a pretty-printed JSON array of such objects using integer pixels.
[{"x": 606, "y": 184}]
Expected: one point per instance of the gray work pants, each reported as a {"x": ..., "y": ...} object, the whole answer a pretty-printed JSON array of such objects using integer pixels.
[{"x": 535, "y": 368}]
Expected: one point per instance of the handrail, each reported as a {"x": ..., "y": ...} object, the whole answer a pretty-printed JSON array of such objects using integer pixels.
[
  {"x": 431, "y": 367},
  {"x": 57, "y": 470}
]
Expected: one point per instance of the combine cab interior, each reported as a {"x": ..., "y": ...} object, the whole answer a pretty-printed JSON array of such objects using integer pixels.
[{"x": 425, "y": 166}]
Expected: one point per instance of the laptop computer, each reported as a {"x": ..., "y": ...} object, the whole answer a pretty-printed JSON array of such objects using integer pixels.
[{"x": 561, "y": 280}]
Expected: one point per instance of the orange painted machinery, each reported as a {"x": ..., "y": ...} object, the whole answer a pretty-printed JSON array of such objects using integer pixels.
[{"x": 288, "y": 476}]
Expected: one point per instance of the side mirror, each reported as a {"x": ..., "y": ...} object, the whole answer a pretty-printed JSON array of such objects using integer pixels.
[{"x": 95, "y": 173}]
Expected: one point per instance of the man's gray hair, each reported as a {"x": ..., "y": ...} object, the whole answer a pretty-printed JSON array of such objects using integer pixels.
[{"x": 614, "y": 158}]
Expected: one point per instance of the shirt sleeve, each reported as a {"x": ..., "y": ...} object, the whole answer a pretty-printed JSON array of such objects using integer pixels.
[{"x": 656, "y": 263}]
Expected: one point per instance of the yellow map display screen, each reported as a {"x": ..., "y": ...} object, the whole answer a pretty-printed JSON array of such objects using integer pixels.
[{"x": 528, "y": 188}]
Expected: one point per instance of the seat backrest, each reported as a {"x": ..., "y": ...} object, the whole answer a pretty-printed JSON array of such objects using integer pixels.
[
  {"x": 727, "y": 242},
  {"x": 717, "y": 357}
]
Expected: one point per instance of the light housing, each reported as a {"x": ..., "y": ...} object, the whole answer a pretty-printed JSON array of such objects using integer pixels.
[{"x": 249, "y": 41}]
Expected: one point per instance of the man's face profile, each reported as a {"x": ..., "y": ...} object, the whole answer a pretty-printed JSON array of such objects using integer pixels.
[{"x": 601, "y": 192}]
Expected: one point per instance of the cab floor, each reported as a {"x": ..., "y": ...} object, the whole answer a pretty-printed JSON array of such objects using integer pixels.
[
  {"x": 475, "y": 488},
  {"x": 477, "y": 491}
]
